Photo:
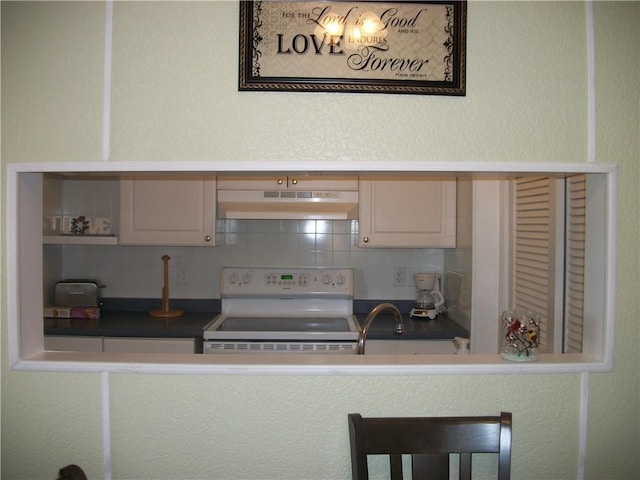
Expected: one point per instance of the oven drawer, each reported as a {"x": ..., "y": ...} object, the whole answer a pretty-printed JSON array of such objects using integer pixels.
[{"x": 238, "y": 347}]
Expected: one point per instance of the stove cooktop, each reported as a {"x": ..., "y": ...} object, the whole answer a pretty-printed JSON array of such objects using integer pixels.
[
  {"x": 300, "y": 328},
  {"x": 293, "y": 304},
  {"x": 282, "y": 324}
]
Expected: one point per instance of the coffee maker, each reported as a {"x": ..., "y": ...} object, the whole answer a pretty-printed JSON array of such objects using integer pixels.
[{"x": 429, "y": 299}]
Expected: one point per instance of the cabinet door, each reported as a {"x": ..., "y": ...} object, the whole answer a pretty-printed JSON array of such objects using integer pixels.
[
  {"x": 407, "y": 212},
  {"x": 148, "y": 345},
  {"x": 63, "y": 343},
  {"x": 167, "y": 210},
  {"x": 322, "y": 182},
  {"x": 288, "y": 182}
]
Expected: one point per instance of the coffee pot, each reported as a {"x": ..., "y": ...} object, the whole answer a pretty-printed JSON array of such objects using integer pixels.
[{"x": 429, "y": 299}]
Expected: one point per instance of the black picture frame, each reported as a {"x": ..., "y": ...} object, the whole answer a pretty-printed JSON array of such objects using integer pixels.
[{"x": 412, "y": 47}]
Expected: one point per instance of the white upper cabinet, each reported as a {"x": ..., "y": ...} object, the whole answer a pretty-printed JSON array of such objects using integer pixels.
[
  {"x": 168, "y": 210},
  {"x": 407, "y": 212},
  {"x": 288, "y": 182}
]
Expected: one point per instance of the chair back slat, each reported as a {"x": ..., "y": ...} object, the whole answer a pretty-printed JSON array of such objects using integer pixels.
[
  {"x": 465, "y": 466},
  {"x": 429, "y": 440},
  {"x": 395, "y": 467}
]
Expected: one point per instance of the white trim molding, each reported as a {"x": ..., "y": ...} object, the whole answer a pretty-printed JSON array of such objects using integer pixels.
[{"x": 24, "y": 213}]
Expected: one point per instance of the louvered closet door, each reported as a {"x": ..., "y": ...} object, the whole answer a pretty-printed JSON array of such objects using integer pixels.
[
  {"x": 575, "y": 254},
  {"x": 534, "y": 252}
]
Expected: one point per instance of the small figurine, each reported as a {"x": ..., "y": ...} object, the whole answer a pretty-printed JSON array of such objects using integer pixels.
[{"x": 79, "y": 225}]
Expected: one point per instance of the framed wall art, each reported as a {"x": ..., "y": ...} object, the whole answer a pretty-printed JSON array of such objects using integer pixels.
[{"x": 342, "y": 46}]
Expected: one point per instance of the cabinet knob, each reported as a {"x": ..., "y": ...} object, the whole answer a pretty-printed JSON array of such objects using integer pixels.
[
  {"x": 365, "y": 239},
  {"x": 207, "y": 238},
  {"x": 280, "y": 181},
  {"x": 294, "y": 181}
]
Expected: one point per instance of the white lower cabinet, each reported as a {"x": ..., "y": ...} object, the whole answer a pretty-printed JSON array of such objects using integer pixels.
[
  {"x": 409, "y": 347},
  {"x": 148, "y": 345},
  {"x": 72, "y": 343}
]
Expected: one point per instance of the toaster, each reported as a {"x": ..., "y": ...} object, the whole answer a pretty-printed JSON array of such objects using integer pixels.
[{"x": 78, "y": 293}]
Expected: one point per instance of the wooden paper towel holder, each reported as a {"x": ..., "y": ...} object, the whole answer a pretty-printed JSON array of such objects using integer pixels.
[{"x": 165, "y": 311}]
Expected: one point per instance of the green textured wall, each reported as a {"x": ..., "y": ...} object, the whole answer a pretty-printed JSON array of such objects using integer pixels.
[{"x": 174, "y": 97}]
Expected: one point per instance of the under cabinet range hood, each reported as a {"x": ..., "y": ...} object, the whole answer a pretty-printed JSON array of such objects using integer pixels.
[{"x": 287, "y": 204}]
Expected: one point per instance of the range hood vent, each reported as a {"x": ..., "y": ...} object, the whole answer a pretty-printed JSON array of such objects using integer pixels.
[{"x": 287, "y": 205}]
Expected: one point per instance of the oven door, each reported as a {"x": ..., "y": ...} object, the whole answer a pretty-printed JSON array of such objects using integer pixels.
[{"x": 281, "y": 334}]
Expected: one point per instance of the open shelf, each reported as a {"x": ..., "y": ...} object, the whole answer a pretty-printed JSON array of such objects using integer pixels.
[{"x": 80, "y": 239}]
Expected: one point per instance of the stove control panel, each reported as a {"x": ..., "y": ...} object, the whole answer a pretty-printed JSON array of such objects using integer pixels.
[{"x": 303, "y": 282}]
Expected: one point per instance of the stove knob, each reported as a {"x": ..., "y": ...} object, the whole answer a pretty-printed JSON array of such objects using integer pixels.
[
  {"x": 233, "y": 279},
  {"x": 340, "y": 280},
  {"x": 326, "y": 279},
  {"x": 246, "y": 278}
]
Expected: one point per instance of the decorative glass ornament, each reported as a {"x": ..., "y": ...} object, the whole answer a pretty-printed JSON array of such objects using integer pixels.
[{"x": 520, "y": 336}]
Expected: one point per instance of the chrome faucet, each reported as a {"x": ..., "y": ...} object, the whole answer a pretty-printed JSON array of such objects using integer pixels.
[{"x": 373, "y": 314}]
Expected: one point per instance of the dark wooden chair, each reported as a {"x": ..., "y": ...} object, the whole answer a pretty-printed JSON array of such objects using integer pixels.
[
  {"x": 429, "y": 441},
  {"x": 71, "y": 472}
]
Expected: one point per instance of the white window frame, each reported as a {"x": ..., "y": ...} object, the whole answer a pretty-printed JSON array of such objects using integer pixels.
[{"x": 24, "y": 282}]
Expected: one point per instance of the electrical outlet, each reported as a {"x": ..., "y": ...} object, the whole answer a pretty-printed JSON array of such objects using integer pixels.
[
  {"x": 399, "y": 274},
  {"x": 183, "y": 275}
]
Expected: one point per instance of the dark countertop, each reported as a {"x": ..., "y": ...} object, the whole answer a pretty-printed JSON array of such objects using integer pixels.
[
  {"x": 441, "y": 328},
  {"x": 126, "y": 318},
  {"x": 383, "y": 326},
  {"x": 130, "y": 324}
]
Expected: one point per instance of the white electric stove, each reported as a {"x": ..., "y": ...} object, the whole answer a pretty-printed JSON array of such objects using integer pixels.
[{"x": 284, "y": 310}]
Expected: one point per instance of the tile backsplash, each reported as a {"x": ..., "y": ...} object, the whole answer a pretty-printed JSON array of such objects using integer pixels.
[{"x": 194, "y": 272}]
